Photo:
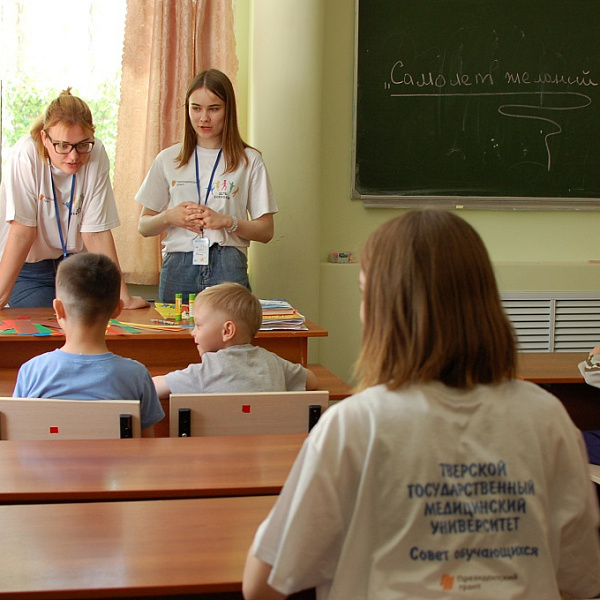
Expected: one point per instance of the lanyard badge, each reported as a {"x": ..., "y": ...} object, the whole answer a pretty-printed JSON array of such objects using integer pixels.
[
  {"x": 64, "y": 238},
  {"x": 201, "y": 244},
  {"x": 200, "y": 252}
]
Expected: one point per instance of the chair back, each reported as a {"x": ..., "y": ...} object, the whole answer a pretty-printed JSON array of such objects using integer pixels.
[
  {"x": 245, "y": 413},
  {"x": 44, "y": 418}
]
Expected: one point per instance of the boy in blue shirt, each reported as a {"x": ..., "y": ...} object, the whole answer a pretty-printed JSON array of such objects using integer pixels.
[{"x": 87, "y": 296}]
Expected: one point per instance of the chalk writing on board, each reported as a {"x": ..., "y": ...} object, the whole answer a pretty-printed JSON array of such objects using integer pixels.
[{"x": 398, "y": 77}]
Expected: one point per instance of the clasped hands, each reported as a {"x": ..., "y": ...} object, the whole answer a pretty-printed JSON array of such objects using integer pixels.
[{"x": 196, "y": 217}]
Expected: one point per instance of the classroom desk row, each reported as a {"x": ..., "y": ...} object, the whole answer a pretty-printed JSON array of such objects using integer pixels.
[
  {"x": 51, "y": 471},
  {"x": 557, "y": 371},
  {"x": 156, "y": 548},
  {"x": 162, "y": 517}
]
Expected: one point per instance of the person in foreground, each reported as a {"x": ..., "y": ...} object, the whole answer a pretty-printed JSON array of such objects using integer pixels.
[
  {"x": 226, "y": 318},
  {"x": 87, "y": 296},
  {"x": 444, "y": 477},
  {"x": 55, "y": 198},
  {"x": 209, "y": 195}
]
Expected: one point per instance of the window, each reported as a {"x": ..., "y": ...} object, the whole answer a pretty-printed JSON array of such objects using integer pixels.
[{"x": 49, "y": 45}]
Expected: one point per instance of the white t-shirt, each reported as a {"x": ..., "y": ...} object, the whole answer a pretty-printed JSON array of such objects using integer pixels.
[
  {"x": 241, "y": 368},
  {"x": 26, "y": 196},
  {"x": 435, "y": 493},
  {"x": 245, "y": 191}
]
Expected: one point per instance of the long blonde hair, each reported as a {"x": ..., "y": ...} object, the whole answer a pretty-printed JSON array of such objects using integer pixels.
[
  {"x": 431, "y": 307},
  {"x": 67, "y": 109},
  {"x": 232, "y": 143}
]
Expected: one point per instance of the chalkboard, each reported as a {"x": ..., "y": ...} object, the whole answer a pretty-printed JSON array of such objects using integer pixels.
[{"x": 477, "y": 103}]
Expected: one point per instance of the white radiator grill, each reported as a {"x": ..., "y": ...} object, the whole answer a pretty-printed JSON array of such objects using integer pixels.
[{"x": 554, "y": 321}]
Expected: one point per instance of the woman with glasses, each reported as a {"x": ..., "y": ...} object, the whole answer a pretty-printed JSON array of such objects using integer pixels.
[{"x": 55, "y": 199}]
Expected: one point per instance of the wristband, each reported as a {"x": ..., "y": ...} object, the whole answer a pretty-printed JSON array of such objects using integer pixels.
[{"x": 234, "y": 225}]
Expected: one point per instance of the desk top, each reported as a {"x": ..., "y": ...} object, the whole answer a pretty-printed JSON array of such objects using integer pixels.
[
  {"x": 550, "y": 367},
  {"x": 174, "y": 349},
  {"x": 145, "y": 468},
  {"x": 108, "y": 549},
  {"x": 144, "y": 316}
]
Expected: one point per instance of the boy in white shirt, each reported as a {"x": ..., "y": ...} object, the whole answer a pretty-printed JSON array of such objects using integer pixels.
[{"x": 226, "y": 317}]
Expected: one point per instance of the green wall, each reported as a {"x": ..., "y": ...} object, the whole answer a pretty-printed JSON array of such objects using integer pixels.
[{"x": 297, "y": 61}]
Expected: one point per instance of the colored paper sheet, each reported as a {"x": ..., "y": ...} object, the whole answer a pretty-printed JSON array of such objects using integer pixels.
[
  {"x": 124, "y": 326},
  {"x": 41, "y": 330},
  {"x": 166, "y": 311},
  {"x": 22, "y": 326},
  {"x": 178, "y": 327},
  {"x": 115, "y": 330}
]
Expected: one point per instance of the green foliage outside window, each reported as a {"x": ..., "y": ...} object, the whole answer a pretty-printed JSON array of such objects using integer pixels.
[{"x": 23, "y": 101}]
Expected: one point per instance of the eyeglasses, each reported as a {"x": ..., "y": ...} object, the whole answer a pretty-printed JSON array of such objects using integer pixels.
[{"x": 66, "y": 148}]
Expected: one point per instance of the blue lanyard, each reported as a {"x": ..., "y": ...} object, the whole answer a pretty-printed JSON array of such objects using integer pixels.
[
  {"x": 63, "y": 242},
  {"x": 212, "y": 176}
]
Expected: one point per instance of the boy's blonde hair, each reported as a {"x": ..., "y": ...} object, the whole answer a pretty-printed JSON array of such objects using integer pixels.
[{"x": 236, "y": 302}]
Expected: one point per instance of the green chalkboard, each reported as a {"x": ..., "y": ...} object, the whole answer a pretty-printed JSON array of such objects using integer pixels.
[{"x": 483, "y": 104}]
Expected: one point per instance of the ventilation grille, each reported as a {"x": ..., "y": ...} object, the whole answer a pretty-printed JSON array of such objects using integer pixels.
[{"x": 554, "y": 321}]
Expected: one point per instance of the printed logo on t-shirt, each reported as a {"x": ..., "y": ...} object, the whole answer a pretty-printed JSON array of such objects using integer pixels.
[
  {"x": 225, "y": 189},
  {"x": 180, "y": 182},
  {"x": 77, "y": 204},
  {"x": 447, "y": 582}
]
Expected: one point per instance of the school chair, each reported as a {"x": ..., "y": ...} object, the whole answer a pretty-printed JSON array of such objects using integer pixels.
[
  {"x": 43, "y": 418},
  {"x": 245, "y": 413}
]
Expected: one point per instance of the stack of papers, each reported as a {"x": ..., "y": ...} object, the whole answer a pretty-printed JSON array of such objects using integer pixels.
[{"x": 280, "y": 314}]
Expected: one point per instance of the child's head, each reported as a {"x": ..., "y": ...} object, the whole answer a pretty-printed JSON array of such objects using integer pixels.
[
  {"x": 216, "y": 308},
  {"x": 220, "y": 85},
  {"x": 88, "y": 285},
  {"x": 431, "y": 308}
]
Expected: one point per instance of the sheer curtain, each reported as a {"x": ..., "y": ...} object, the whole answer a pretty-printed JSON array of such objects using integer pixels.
[{"x": 167, "y": 42}]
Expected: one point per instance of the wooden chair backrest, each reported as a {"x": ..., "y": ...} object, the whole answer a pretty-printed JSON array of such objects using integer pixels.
[
  {"x": 245, "y": 413},
  {"x": 44, "y": 418}
]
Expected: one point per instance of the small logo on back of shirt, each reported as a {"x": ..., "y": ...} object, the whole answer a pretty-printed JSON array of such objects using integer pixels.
[{"x": 447, "y": 582}]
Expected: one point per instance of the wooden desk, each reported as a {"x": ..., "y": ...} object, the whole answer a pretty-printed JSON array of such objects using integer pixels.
[
  {"x": 156, "y": 548},
  {"x": 145, "y": 468},
  {"x": 169, "y": 349},
  {"x": 550, "y": 367},
  {"x": 558, "y": 373}
]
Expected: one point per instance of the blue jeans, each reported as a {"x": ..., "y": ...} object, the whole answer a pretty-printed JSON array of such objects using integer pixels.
[
  {"x": 179, "y": 275},
  {"x": 35, "y": 284}
]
